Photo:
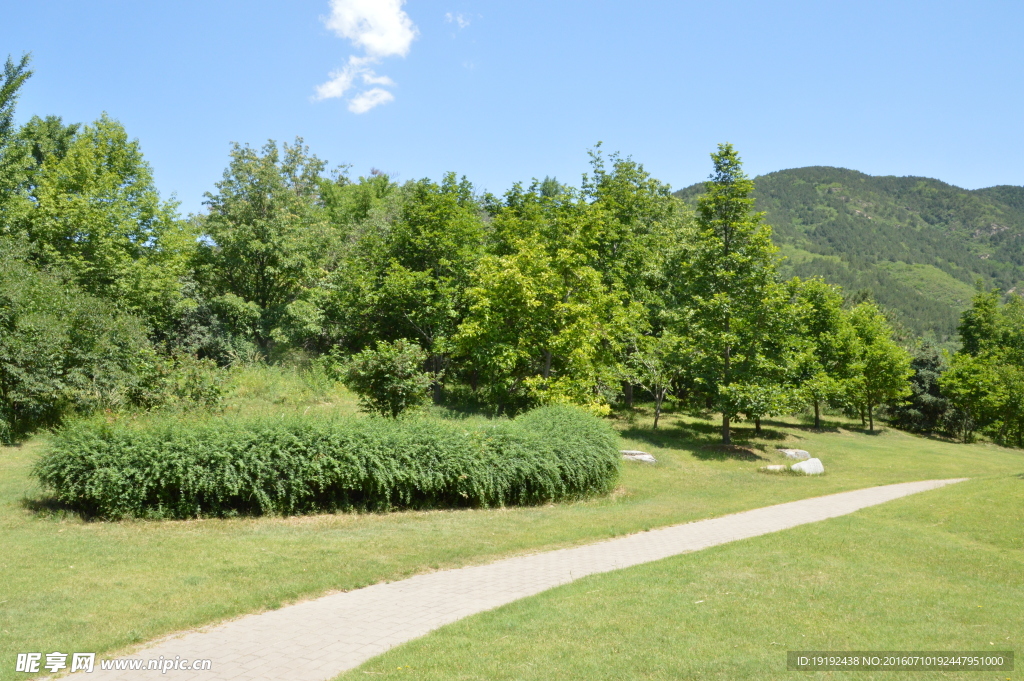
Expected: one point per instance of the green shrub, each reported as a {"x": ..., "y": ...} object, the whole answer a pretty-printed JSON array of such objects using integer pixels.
[
  {"x": 61, "y": 349},
  {"x": 221, "y": 467},
  {"x": 183, "y": 381},
  {"x": 389, "y": 378}
]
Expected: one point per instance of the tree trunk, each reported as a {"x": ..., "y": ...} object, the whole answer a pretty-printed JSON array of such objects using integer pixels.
[
  {"x": 547, "y": 363},
  {"x": 757, "y": 425},
  {"x": 817, "y": 416},
  {"x": 436, "y": 364},
  {"x": 659, "y": 397},
  {"x": 863, "y": 421},
  {"x": 871, "y": 417},
  {"x": 726, "y": 438},
  {"x": 627, "y": 394}
]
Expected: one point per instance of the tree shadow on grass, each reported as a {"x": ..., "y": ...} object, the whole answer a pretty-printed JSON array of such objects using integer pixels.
[
  {"x": 734, "y": 452},
  {"x": 826, "y": 427},
  {"x": 765, "y": 434},
  {"x": 687, "y": 436},
  {"x": 50, "y": 507},
  {"x": 701, "y": 440}
]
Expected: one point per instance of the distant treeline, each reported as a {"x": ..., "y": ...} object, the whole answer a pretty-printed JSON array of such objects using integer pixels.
[{"x": 547, "y": 294}]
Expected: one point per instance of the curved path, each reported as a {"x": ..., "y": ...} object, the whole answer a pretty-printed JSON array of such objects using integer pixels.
[{"x": 319, "y": 639}]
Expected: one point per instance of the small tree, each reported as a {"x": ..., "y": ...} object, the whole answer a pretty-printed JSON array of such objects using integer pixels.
[
  {"x": 652, "y": 365},
  {"x": 389, "y": 378},
  {"x": 926, "y": 407},
  {"x": 829, "y": 353},
  {"x": 885, "y": 366}
]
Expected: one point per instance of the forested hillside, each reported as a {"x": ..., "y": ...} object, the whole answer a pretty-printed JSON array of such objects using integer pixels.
[{"x": 917, "y": 245}]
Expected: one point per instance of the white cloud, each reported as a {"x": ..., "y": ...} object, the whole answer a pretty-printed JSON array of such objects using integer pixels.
[
  {"x": 378, "y": 26},
  {"x": 342, "y": 80},
  {"x": 365, "y": 101},
  {"x": 370, "y": 78},
  {"x": 457, "y": 18},
  {"x": 382, "y": 29}
]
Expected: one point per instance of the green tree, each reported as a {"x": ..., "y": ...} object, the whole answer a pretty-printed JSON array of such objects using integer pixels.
[
  {"x": 972, "y": 385},
  {"x": 636, "y": 225},
  {"x": 652, "y": 363},
  {"x": 884, "y": 366},
  {"x": 406, "y": 264},
  {"x": 42, "y": 140},
  {"x": 350, "y": 205},
  {"x": 829, "y": 352},
  {"x": 433, "y": 248},
  {"x": 96, "y": 215},
  {"x": 541, "y": 328},
  {"x": 926, "y": 408},
  {"x": 362, "y": 216},
  {"x": 985, "y": 381},
  {"x": 12, "y": 157},
  {"x": 981, "y": 326},
  {"x": 265, "y": 238},
  {"x": 389, "y": 379},
  {"x": 730, "y": 302},
  {"x": 547, "y": 319},
  {"x": 62, "y": 350}
]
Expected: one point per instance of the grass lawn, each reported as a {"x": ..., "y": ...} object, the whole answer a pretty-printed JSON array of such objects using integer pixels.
[
  {"x": 940, "y": 570},
  {"x": 93, "y": 586}
]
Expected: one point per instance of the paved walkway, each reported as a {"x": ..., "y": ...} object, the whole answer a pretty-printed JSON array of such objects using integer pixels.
[{"x": 319, "y": 639}]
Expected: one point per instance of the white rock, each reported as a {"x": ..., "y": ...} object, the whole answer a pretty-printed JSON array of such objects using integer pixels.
[
  {"x": 775, "y": 468},
  {"x": 809, "y": 467},
  {"x": 798, "y": 454},
  {"x": 637, "y": 455}
]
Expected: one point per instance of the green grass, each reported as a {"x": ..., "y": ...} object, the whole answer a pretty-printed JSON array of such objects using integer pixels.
[
  {"x": 90, "y": 586},
  {"x": 940, "y": 570}
]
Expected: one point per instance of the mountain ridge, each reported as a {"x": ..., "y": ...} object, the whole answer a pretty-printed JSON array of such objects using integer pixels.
[{"x": 917, "y": 245}]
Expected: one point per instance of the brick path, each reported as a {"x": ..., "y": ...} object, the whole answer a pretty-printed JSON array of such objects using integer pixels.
[{"x": 319, "y": 639}]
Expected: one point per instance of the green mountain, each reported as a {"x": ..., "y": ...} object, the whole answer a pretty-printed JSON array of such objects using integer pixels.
[{"x": 917, "y": 245}]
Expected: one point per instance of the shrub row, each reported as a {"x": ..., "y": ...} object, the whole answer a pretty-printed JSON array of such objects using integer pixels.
[{"x": 294, "y": 465}]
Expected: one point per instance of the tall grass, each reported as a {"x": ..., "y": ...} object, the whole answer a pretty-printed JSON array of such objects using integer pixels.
[{"x": 291, "y": 464}]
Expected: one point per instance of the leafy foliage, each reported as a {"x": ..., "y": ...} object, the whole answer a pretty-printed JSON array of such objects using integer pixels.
[
  {"x": 985, "y": 380},
  {"x": 653, "y": 364},
  {"x": 549, "y": 294},
  {"x": 266, "y": 236},
  {"x": 11, "y": 156},
  {"x": 183, "y": 469},
  {"x": 925, "y": 410},
  {"x": 61, "y": 349},
  {"x": 884, "y": 366},
  {"x": 96, "y": 214},
  {"x": 389, "y": 379},
  {"x": 826, "y": 363}
]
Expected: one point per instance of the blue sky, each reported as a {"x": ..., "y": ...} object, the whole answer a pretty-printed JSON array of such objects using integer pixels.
[{"x": 506, "y": 91}]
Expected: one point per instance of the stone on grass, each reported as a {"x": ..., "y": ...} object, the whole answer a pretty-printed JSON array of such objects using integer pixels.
[
  {"x": 798, "y": 454},
  {"x": 809, "y": 467},
  {"x": 637, "y": 455},
  {"x": 775, "y": 468}
]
